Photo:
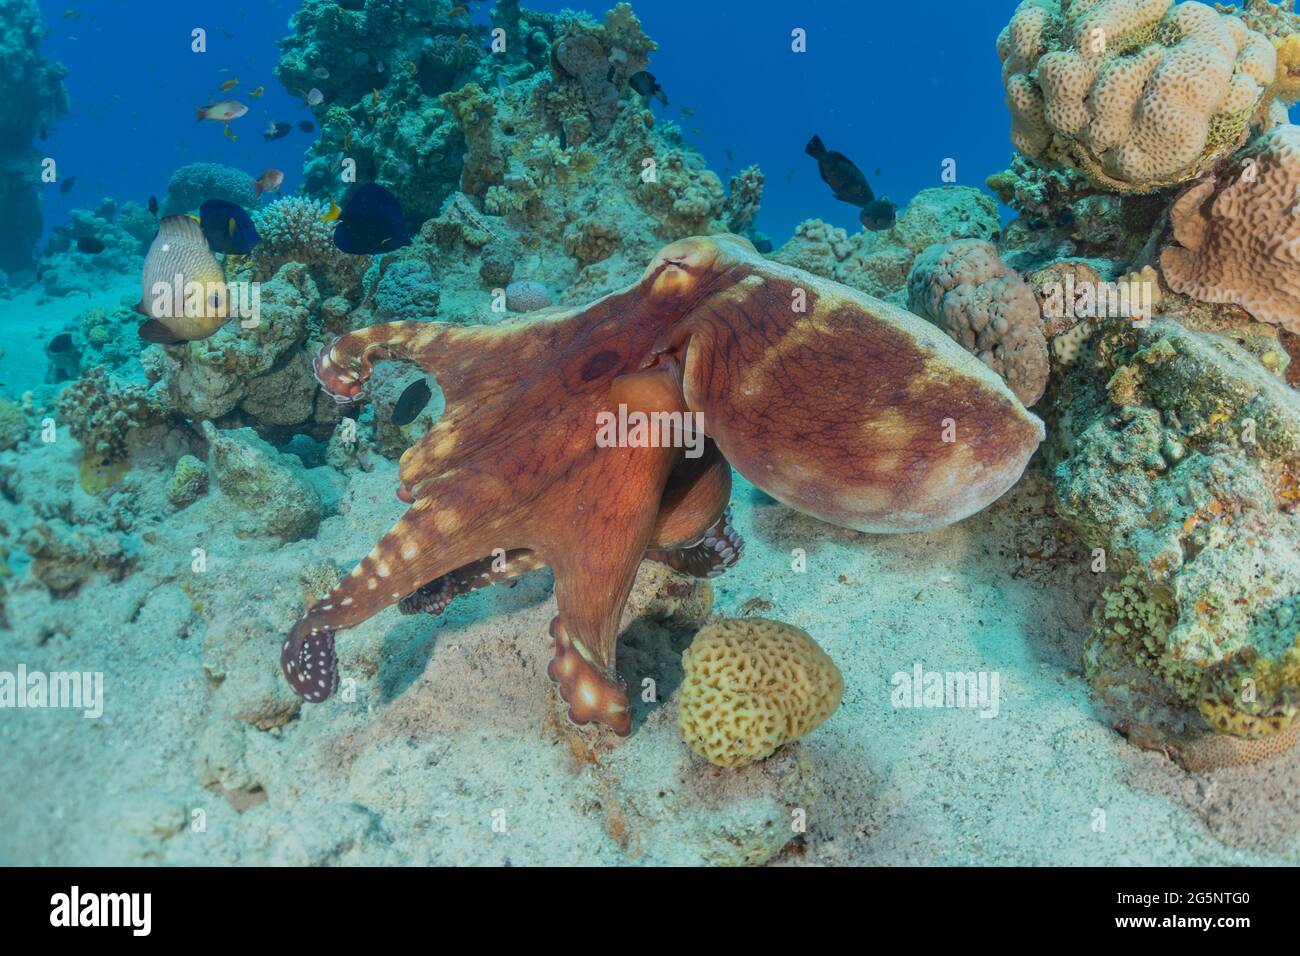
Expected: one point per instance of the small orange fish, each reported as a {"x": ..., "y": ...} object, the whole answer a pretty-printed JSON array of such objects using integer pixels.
[
  {"x": 254, "y": 94},
  {"x": 229, "y": 85},
  {"x": 222, "y": 112},
  {"x": 269, "y": 181}
]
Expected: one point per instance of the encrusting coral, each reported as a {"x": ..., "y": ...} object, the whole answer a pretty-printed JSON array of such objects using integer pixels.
[
  {"x": 1176, "y": 454},
  {"x": 1237, "y": 232},
  {"x": 1138, "y": 94},
  {"x": 970, "y": 293},
  {"x": 750, "y": 686}
]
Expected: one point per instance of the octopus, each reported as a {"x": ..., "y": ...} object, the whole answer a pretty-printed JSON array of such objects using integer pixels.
[{"x": 836, "y": 404}]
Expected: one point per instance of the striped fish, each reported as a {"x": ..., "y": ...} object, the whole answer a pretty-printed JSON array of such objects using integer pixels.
[{"x": 180, "y": 259}]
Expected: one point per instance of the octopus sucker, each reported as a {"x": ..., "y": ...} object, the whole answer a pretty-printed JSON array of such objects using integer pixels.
[{"x": 837, "y": 404}]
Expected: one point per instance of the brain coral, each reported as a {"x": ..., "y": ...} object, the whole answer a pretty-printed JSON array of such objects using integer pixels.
[
  {"x": 965, "y": 289},
  {"x": 1238, "y": 233},
  {"x": 751, "y": 686},
  {"x": 1139, "y": 94}
]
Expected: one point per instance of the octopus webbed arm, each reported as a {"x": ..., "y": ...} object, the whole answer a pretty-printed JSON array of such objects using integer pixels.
[
  {"x": 428, "y": 542},
  {"x": 343, "y": 367},
  {"x": 433, "y": 598},
  {"x": 716, "y": 550}
]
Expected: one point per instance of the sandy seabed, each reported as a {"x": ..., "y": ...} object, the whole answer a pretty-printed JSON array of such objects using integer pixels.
[{"x": 453, "y": 750}]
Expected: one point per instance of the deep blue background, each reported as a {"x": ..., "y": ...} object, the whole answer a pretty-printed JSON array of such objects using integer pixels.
[{"x": 896, "y": 87}]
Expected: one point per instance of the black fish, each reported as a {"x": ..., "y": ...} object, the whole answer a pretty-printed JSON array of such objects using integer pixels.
[
  {"x": 64, "y": 359},
  {"x": 276, "y": 131},
  {"x": 645, "y": 84},
  {"x": 67, "y": 185},
  {"x": 879, "y": 215},
  {"x": 846, "y": 180},
  {"x": 90, "y": 245},
  {"x": 153, "y": 206},
  {"x": 371, "y": 223},
  {"x": 306, "y": 126},
  {"x": 414, "y": 398},
  {"x": 763, "y": 245},
  {"x": 227, "y": 227}
]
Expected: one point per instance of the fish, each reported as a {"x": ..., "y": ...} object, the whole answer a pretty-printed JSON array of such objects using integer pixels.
[
  {"x": 72, "y": 13},
  {"x": 229, "y": 135},
  {"x": 763, "y": 245},
  {"x": 371, "y": 222},
  {"x": 67, "y": 184},
  {"x": 307, "y": 126},
  {"x": 457, "y": 11},
  {"x": 837, "y": 170},
  {"x": 879, "y": 215},
  {"x": 90, "y": 245},
  {"x": 254, "y": 94},
  {"x": 645, "y": 84},
  {"x": 65, "y": 359},
  {"x": 314, "y": 97},
  {"x": 221, "y": 112},
  {"x": 269, "y": 181},
  {"x": 412, "y": 68},
  {"x": 321, "y": 73},
  {"x": 334, "y": 212},
  {"x": 227, "y": 227},
  {"x": 686, "y": 111},
  {"x": 153, "y": 206},
  {"x": 229, "y": 85},
  {"x": 564, "y": 138},
  {"x": 276, "y": 131},
  {"x": 179, "y": 259},
  {"x": 412, "y": 401}
]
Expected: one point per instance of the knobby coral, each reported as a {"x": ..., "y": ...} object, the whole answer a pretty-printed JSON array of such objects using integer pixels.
[{"x": 1138, "y": 94}]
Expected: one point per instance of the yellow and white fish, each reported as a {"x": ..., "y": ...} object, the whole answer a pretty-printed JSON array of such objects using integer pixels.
[{"x": 183, "y": 288}]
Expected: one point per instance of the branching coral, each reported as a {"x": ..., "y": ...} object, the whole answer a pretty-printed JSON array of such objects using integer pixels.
[
  {"x": 293, "y": 230},
  {"x": 971, "y": 294},
  {"x": 1139, "y": 94},
  {"x": 1238, "y": 233}
]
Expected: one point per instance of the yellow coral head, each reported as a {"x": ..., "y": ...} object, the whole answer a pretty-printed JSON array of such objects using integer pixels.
[{"x": 1287, "y": 86}]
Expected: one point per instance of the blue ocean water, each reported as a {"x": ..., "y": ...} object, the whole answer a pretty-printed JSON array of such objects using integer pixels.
[{"x": 897, "y": 88}]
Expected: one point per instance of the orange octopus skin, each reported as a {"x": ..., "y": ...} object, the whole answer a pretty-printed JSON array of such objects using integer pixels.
[{"x": 835, "y": 403}]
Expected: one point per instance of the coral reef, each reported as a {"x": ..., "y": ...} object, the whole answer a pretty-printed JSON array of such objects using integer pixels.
[
  {"x": 101, "y": 412},
  {"x": 261, "y": 486},
  {"x": 64, "y": 269},
  {"x": 878, "y": 263},
  {"x": 13, "y": 424},
  {"x": 970, "y": 293},
  {"x": 1176, "y": 455},
  {"x": 263, "y": 372},
  {"x": 1237, "y": 232},
  {"x": 1137, "y": 94},
  {"x": 293, "y": 230},
  {"x": 751, "y": 686},
  {"x": 35, "y": 100},
  {"x": 407, "y": 290},
  {"x": 190, "y": 186}
]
